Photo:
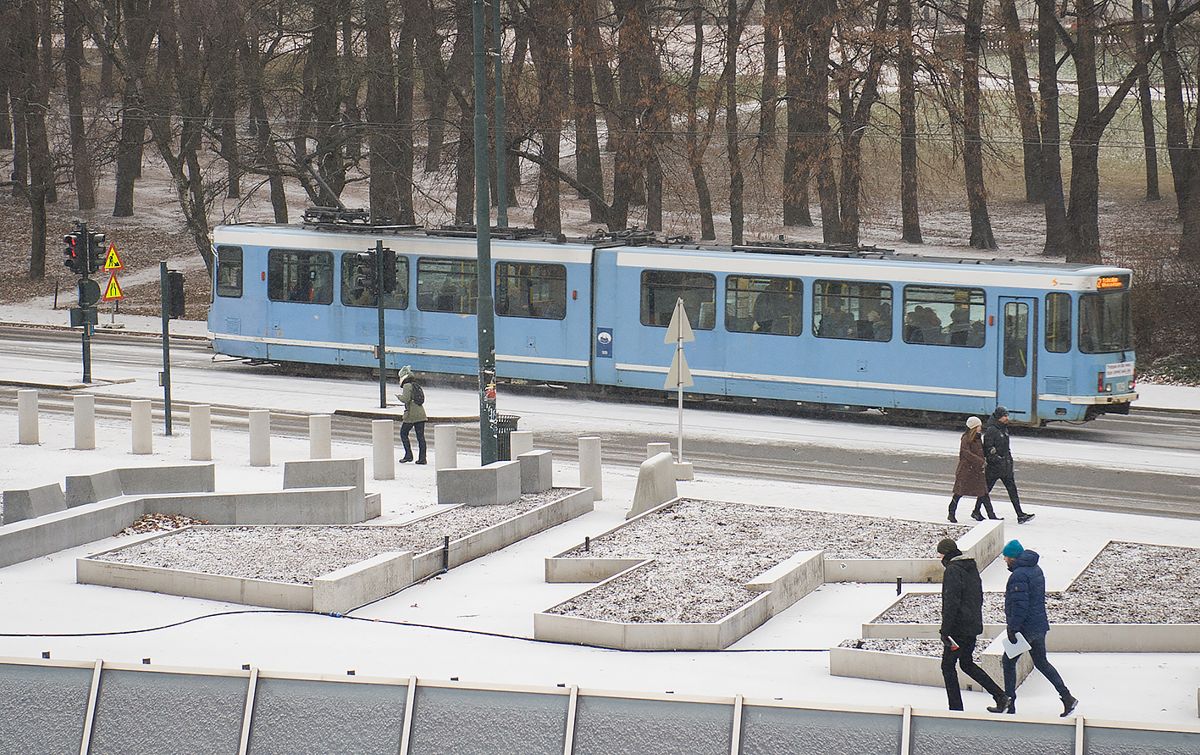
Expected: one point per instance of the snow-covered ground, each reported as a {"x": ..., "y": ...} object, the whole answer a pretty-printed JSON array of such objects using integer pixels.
[{"x": 501, "y": 592}]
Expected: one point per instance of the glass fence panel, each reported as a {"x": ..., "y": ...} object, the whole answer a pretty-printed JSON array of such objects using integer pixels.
[
  {"x": 454, "y": 721},
  {"x": 301, "y": 715},
  {"x": 143, "y": 712},
  {"x": 42, "y": 708},
  {"x": 609, "y": 725},
  {"x": 937, "y": 736},
  {"x": 767, "y": 730},
  {"x": 1099, "y": 741}
]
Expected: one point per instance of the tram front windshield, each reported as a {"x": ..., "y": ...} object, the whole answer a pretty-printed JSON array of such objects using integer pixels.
[{"x": 1105, "y": 325}]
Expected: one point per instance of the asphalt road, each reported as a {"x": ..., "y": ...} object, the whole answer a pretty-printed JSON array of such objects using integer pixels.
[{"x": 1041, "y": 482}]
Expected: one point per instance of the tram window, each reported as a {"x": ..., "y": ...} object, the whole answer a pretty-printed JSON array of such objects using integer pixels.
[
  {"x": 447, "y": 285},
  {"x": 764, "y": 305},
  {"x": 1104, "y": 323},
  {"x": 295, "y": 276},
  {"x": 1058, "y": 323},
  {"x": 229, "y": 271},
  {"x": 853, "y": 310},
  {"x": 1016, "y": 339},
  {"x": 661, "y": 289},
  {"x": 944, "y": 316},
  {"x": 525, "y": 289},
  {"x": 354, "y": 290}
]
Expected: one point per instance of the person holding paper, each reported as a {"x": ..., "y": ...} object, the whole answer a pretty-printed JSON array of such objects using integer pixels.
[
  {"x": 1025, "y": 613},
  {"x": 962, "y": 623}
]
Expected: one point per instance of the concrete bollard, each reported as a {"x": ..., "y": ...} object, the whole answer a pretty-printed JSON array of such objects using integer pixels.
[
  {"x": 445, "y": 447},
  {"x": 139, "y": 417},
  {"x": 520, "y": 442},
  {"x": 383, "y": 441},
  {"x": 260, "y": 438},
  {"x": 85, "y": 421},
  {"x": 654, "y": 449},
  {"x": 320, "y": 445},
  {"x": 589, "y": 466},
  {"x": 27, "y": 411},
  {"x": 200, "y": 428}
]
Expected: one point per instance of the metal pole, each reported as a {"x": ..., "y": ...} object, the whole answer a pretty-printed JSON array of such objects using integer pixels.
[
  {"x": 87, "y": 327},
  {"x": 488, "y": 421},
  {"x": 382, "y": 337},
  {"x": 679, "y": 385},
  {"x": 164, "y": 286},
  {"x": 501, "y": 146}
]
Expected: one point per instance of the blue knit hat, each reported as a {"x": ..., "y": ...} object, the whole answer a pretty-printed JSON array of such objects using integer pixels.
[{"x": 1013, "y": 549}]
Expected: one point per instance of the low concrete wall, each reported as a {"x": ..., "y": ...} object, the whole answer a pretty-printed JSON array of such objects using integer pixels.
[
  {"x": 883, "y": 570},
  {"x": 183, "y": 478},
  {"x": 916, "y": 669},
  {"x": 34, "y": 538},
  {"x": 791, "y": 579},
  {"x": 325, "y": 473},
  {"x": 89, "y": 488},
  {"x": 537, "y": 471},
  {"x": 499, "y": 482},
  {"x": 20, "y": 505},
  {"x": 358, "y": 584}
]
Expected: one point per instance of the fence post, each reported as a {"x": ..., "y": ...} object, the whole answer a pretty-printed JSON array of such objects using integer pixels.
[
  {"x": 260, "y": 438},
  {"x": 27, "y": 410},
  {"x": 383, "y": 442},
  {"x": 200, "y": 429},
  {"x": 589, "y": 466},
  {"x": 85, "y": 421},
  {"x": 320, "y": 445},
  {"x": 139, "y": 417}
]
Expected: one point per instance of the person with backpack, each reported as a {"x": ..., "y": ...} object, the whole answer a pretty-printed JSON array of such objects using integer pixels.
[{"x": 412, "y": 395}]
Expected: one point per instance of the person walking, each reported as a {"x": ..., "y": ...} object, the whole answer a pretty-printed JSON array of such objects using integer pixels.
[
  {"x": 1000, "y": 460},
  {"x": 969, "y": 476},
  {"x": 1025, "y": 612},
  {"x": 412, "y": 395},
  {"x": 962, "y": 623}
]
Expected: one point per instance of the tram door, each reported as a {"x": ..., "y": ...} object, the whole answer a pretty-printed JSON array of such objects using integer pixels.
[{"x": 1017, "y": 373}]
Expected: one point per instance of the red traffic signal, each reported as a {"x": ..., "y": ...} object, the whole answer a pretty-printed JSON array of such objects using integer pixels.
[{"x": 71, "y": 257}]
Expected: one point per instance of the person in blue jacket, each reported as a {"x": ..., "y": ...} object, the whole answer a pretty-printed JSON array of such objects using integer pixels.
[{"x": 1025, "y": 612}]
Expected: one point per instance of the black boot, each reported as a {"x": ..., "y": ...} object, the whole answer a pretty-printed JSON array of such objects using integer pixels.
[
  {"x": 421, "y": 459},
  {"x": 1022, "y": 518},
  {"x": 1002, "y": 703},
  {"x": 407, "y": 458},
  {"x": 1069, "y": 704},
  {"x": 953, "y": 506}
]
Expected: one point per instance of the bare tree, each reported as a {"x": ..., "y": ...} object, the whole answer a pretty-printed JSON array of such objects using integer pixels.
[
  {"x": 981, "y": 224},
  {"x": 81, "y": 158},
  {"x": 906, "y": 71},
  {"x": 1014, "y": 38},
  {"x": 1145, "y": 103}
]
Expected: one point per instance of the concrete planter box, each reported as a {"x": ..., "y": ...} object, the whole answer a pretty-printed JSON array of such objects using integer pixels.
[
  {"x": 917, "y": 669},
  {"x": 781, "y": 586}
]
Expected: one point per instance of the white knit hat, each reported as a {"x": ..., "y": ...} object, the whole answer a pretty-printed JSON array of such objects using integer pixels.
[{"x": 974, "y": 422}]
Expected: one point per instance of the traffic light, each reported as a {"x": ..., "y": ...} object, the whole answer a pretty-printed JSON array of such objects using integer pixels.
[
  {"x": 95, "y": 252},
  {"x": 72, "y": 257},
  {"x": 390, "y": 271},
  {"x": 175, "y": 300},
  {"x": 368, "y": 277}
]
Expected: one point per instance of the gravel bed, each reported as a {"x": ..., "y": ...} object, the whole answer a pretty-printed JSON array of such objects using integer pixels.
[
  {"x": 301, "y": 554},
  {"x": 926, "y": 648},
  {"x": 1127, "y": 583},
  {"x": 706, "y": 551}
]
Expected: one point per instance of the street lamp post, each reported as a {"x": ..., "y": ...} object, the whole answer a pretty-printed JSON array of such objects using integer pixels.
[{"x": 488, "y": 421}]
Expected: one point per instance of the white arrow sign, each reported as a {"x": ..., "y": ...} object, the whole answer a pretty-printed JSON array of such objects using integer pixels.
[
  {"x": 680, "y": 330},
  {"x": 679, "y": 376}
]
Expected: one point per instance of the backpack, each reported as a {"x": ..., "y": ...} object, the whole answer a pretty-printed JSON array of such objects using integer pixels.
[{"x": 418, "y": 394}]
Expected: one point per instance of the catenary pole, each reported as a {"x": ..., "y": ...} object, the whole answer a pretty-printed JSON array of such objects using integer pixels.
[
  {"x": 87, "y": 324},
  {"x": 379, "y": 310},
  {"x": 165, "y": 288},
  {"x": 501, "y": 145},
  {"x": 485, "y": 317}
]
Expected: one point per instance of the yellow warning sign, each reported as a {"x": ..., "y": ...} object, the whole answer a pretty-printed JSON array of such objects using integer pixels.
[
  {"x": 112, "y": 260},
  {"x": 112, "y": 291}
]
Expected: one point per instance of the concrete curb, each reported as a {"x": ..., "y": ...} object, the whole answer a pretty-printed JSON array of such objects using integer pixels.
[
  {"x": 917, "y": 669},
  {"x": 398, "y": 412}
]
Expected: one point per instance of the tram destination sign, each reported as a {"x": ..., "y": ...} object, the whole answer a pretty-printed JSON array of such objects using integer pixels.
[{"x": 1118, "y": 370}]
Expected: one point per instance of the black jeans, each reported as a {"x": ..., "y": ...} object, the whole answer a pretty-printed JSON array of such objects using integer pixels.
[
  {"x": 964, "y": 657},
  {"x": 1010, "y": 485},
  {"x": 1037, "y": 651},
  {"x": 405, "y": 429}
]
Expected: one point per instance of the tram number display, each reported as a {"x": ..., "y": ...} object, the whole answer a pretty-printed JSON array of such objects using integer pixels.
[{"x": 1118, "y": 370}]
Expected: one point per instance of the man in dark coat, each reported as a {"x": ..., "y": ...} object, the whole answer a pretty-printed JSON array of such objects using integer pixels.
[
  {"x": 962, "y": 623},
  {"x": 1000, "y": 460},
  {"x": 1025, "y": 612}
]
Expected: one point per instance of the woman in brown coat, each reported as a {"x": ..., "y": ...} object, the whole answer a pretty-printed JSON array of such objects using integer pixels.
[{"x": 969, "y": 478}]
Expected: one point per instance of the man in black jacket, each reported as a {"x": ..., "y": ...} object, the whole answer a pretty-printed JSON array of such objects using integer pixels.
[
  {"x": 1000, "y": 460},
  {"x": 962, "y": 623}
]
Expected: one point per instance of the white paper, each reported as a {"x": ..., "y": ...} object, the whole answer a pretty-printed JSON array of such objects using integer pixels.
[{"x": 1013, "y": 649}]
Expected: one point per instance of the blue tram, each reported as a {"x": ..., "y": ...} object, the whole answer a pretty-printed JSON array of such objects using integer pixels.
[{"x": 798, "y": 323}]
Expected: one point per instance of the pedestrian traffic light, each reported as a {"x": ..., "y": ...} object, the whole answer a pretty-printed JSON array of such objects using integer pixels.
[
  {"x": 71, "y": 252},
  {"x": 390, "y": 271},
  {"x": 95, "y": 252}
]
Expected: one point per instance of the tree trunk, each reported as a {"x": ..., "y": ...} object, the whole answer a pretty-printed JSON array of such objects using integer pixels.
[
  {"x": 112, "y": 10},
  {"x": 464, "y": 172},
  {"x": 909, "y": 210},
  {"x": 696, "y": 148},
  {"x": 981, "y": 224},
  {"x": 1173, "y": 101},
  {"x": 224, "y": 100},
  {"x": 1023, "y": 95},
  {"x": 351, "y": 112},
  {"x": 81, "y": 158},
  {"x": 137, "y": 31},
  {"x": 815, "y": 123},
  {"x": 264, "y": 145},
  {"x": 796, "y": 171},
  {"x": 587, "y": 150},
  {"x": 323, "y": 59},
  {"x": 733, "y": 33},
  {"x": 548, "y": 45},
  {"x": 1083, "y": 212},
  {"x": 770, "y": 78},
  {"x": 381, "y": 112},
  {"x": 1057, "y": 236},
  {"x": 512, "y": 97},
  {"x": 606, "y": 89},
  {"x": 405, "y": 150},
  {"x": 631, "y": 151},
  {"x": 1145, "y": 104},
  {"x": 1189, "y": 242},
  {"x": 6, "y": 124}
]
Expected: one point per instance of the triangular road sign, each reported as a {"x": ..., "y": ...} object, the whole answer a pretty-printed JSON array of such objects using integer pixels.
[
  {"x": 112, "y": 260},
  {"x": 679, "y": 375},
  {"x": 679, "y": 324},
  {"x": 113, "y": 291}
]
